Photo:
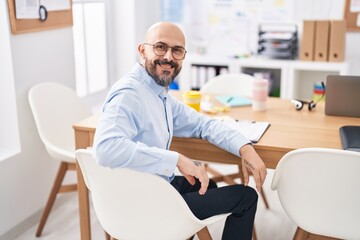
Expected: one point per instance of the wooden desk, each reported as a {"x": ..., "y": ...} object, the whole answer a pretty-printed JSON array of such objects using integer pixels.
[{"x": 289, "y": 130}]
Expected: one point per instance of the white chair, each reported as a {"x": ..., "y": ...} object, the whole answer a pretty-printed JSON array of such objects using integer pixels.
[
  {"x": 231, "y": 84},
  {"x": 56, "y": 108},
  {"x": 319, "y": 190},
  {"x": 136, "y": 206}
]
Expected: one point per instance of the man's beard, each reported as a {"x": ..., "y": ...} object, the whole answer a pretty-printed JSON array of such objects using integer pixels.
[{"x": 165, "y": 79}]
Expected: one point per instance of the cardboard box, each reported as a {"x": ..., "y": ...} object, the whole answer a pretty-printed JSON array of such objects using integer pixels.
[
  {"x": 337, "y": 41},
  {"x": 322, "y": 40},
  {"x": 307, "y": 46}
]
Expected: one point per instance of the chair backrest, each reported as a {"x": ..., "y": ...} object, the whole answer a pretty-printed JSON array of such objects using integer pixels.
[
  {"x": 56, "y": 108},
  {"x": 319, "y": 190},
  {"x": 229, "y": 83},
  {"x": 136, "y": 205}
]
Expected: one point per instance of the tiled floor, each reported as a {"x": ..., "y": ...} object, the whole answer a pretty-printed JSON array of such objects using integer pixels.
[{"x": 63, "y": 222}]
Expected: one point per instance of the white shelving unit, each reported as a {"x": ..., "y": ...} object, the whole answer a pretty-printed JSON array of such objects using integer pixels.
[
  {"x": 304, "y": 75},
  {"x": 293, "y": 78}
]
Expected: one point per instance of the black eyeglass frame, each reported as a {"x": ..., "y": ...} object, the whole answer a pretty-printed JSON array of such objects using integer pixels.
[{"x": 166, "y": 49}]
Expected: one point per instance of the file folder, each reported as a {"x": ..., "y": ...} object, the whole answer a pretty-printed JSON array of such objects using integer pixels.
[
  {"x": 337, "y": 41},
  {"x": 308, "y": 41},
  {"x": 322, "y": 40}
]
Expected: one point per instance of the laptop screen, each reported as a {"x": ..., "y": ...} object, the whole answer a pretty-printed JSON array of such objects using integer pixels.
[{"x": 342, "y": 96}]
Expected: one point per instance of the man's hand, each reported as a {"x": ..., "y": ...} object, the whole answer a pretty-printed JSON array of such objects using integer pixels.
[
  {"x": 252, "y": 163},
  {"x": 192, "y": 169}
]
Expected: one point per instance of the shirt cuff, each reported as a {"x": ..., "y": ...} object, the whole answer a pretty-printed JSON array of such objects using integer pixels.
[
  {"x": 236, "y": 145},
  {"x": 169, "y": 161}
]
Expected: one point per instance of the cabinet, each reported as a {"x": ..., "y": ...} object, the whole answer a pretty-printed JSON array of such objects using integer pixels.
[{"x": 289, "y": 78}]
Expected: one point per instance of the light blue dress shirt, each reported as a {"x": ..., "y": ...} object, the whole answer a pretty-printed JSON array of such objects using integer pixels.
[{"x": 139, "y": 120}]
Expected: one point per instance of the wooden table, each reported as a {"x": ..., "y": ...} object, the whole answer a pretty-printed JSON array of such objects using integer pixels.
[{"x": 289, "y": 130}]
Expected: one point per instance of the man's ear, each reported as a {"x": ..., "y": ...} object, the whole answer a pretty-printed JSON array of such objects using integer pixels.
[{"x": 141, "y": 50}]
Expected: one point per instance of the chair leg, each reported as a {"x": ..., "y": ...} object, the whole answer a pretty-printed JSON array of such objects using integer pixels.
[
  {"x": 107, "y": 236},
  {"x": 301, "y": 234},
  {"x": 54, "y": 191},
  {"x": 204, "y": 234},
  {"x": 254, "y": 237}
]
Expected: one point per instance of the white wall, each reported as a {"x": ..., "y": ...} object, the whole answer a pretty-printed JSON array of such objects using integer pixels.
[
  {"x": 352, "y": 52},
  {"x": 9, "y": 137},
  {"x": 26, "y": 178}
]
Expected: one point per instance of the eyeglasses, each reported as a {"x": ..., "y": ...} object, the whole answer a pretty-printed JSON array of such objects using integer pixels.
[{"x": 160, "y": 49}]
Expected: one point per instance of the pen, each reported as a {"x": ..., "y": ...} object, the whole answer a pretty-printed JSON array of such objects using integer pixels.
[{"x": 230, "y": 99}]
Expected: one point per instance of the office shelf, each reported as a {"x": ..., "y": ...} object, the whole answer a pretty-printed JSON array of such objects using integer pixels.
[
  {"x": 290, "y": 78},
  {"x": 304, "y": 75}
]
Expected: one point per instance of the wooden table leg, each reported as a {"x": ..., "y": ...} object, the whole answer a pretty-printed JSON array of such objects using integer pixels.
[{"x": 84, "y": 207}]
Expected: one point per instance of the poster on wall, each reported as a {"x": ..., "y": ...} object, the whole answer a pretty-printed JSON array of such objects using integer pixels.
[
  {"x": 230, "y": 27},
  {"x": 29, "y": 9}
]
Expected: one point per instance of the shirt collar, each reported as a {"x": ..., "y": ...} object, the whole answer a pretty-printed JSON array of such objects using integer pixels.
[{"x": 150, "y": 82}]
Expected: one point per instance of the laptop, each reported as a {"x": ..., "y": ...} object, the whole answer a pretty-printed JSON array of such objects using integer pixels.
[{"x": 342, "y": 96}]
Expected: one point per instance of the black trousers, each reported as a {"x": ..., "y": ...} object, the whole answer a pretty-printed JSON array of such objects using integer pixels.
[{"x": 239, "y": 200}]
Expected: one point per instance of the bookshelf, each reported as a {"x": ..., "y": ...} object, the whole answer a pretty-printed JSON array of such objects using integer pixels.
[{"x": 290, "y": 78}]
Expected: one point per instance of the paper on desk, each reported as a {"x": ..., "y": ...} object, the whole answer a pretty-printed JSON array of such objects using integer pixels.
[{"x": 250, "y": 129}]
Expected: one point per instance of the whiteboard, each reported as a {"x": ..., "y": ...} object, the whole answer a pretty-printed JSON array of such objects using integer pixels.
[{"x": 230, "y": 27}]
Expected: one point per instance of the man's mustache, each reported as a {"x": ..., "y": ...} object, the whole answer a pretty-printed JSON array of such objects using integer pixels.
[{"x": 171, "y": 63}]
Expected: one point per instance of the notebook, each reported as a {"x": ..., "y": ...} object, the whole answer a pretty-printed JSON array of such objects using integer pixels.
[
  {"x": 234, "y": 100},
  {"x": 250, "y": 129},
  {"x": 342, "y": 96},
  {"x": 350, "y": 138}
]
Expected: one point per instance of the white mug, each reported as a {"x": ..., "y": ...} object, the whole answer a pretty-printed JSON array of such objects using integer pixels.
[{"x": 260, "y": 94}]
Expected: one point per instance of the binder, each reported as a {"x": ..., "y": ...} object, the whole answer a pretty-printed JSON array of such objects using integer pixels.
[
  {"x": 337, "y": 41},
  {"x": 308, "y": 41},
  {"x": 322, "y": 30}
]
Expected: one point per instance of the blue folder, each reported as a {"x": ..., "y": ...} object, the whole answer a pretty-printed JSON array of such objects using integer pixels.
[{"x": 233, "y": 100}]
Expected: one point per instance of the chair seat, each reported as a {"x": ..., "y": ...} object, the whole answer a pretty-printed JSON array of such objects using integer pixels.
[
  {"x": 319, "y": 190},
  {"x": 135, "y": 205},
  {"x": 55, "y": 109}
]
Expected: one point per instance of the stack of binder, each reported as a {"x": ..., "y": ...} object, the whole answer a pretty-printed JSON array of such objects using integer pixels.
[
  {"x": 323, "y": 40},
  {"x": 278, "y": 41}
]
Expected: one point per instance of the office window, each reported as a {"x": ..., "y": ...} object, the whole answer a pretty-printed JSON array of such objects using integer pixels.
[{"x": 90, "y": 46}]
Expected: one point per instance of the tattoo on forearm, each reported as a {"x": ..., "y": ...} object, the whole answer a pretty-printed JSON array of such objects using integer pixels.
[
  {"x": 197, "y": 163},
  {"x": 249, "y": 165}
]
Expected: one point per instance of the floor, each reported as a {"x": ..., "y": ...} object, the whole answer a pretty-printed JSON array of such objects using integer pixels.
[{"x": 63, "y": 222}]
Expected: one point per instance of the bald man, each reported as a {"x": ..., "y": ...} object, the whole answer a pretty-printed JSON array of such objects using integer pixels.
[{"x": 140, "y": 118}]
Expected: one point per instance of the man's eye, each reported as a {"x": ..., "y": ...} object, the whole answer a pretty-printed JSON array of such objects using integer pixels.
[
  {"x": 161, "y": 47},
  {"x": 178, "y": 50}
]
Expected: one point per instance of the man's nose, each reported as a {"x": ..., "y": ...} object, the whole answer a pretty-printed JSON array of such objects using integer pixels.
[{"x": 168, "y": 54}]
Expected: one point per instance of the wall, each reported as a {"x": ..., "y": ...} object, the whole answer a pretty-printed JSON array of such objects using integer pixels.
[
  {"x": 9, "y": 137},
  {"x": 48, "y": 56},
  {"x": 352, "y": 52},
  {"x": 26, "y": 178}
]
